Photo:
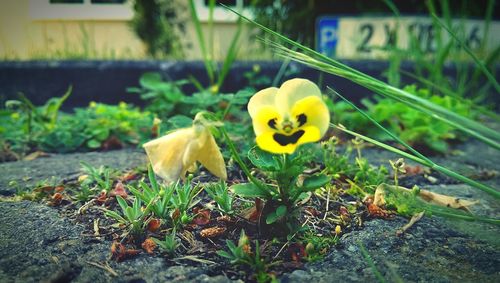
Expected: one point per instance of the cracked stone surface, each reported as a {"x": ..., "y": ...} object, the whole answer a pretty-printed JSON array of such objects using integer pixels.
[{"x": 37, "y": 243}]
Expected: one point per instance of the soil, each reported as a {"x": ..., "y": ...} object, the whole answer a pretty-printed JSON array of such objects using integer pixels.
[{"x": 39, "y": 243}]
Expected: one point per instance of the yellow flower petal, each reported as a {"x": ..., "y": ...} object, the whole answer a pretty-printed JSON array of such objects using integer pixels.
[
  {"x": 176, "y": 153},
  {"x": 312, "y": 111},
  {"x": 166, "y": 153},
  {"x": 266, "y": 119},
  {"x": 294, "y": 90},
  {"x": 289, "y": 116},
  {"x": 262, "y": 98},
  {"x": 277, "y": 142},
  {"x": 211, "y": 157}
]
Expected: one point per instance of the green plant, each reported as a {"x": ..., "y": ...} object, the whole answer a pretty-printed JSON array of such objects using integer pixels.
[
  {"x": 99, "y": 178},
  {"x": 216, "y": 77},
  {"x": 132, "y": 216},
  {"x": 284, "y": 192},
  {"x": 361, "y": 172},
  {"x": 412, "y": 126},
  {"x": 162, "y": 97},
  {"x": 318, "y": 246},
  {"x": 242, "y": 254},
  {"x": 182, "y": 200},
  {"x": 27, "y": 128},
  {"x": 84, "y": 192},
  {"x": 170, "y": 244},
  {"x": 220, "y": 194},
  {"x": 147, "y": 194},
  {"x": 23, "y": 122}
]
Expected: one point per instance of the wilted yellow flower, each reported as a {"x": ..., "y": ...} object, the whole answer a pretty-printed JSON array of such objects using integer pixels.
[
  {"x": 287, "y": 117},
  {"x": 177, "y": 152}
]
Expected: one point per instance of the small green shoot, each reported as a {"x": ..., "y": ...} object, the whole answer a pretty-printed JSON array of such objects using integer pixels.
[
  {"x": 147, "y": 193},
  {"x": 132, "y": 216},
  {"x": 99, "y": 178},
  {"x": 182, "y": 200},
  {"x": 170, "y": 244},
  {"x": 219, "y": 192},
  {"x": 242, "y": 254}
]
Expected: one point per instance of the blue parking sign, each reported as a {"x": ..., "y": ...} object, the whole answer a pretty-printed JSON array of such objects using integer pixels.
[{"x": 327, "y": 35}]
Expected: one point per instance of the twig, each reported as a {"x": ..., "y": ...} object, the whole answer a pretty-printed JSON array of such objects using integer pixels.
[
  {"x": 288, "y": 241},
  {"x": 327, "y": 203},
  {"x": 84, "y": 207},
  {"x": 196, "y": 259},
  {"x": 96, "y": 228},
  {"x": 416, "y": 217},
  {"x": 103, "y": 266}
]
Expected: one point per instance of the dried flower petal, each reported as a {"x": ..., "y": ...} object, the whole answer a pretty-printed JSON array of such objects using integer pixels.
[{"x": 174, "y": 154}]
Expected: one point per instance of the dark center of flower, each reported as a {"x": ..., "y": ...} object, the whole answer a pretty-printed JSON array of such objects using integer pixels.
[
  {"x": 288, "y": 126},
  {"x": 272, "y": 123},
  {"x": 284, "y": 140},
  {"x": 302, "y": 119}
]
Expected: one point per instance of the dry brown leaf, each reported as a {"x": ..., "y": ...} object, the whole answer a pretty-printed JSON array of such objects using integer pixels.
[
  {"x": 416, "y": 217},
  {"x": 148, "y": 245},
  {"x": 35, "y": 155},
  {"x": 445, "y": 200},
  {"x": 212, "y": 232}
]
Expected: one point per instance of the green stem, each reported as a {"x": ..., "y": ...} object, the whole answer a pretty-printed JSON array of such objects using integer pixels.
[{"x": 240, "y": 162}]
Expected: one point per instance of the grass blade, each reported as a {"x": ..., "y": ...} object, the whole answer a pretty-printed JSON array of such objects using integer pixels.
[
  {"x": 231, "y": 55},
  {"x": 329, "y": 65},
  {"x": 480, "y": 64},
  {"x": 201, "y": 40},
  {"x": 370, "y": 263},
  {"x": 483, "y": 187},
  {"x": 467, "y": 125}
]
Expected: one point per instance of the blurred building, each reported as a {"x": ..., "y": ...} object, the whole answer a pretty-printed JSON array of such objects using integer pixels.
[{"x": 97, "y": 29}]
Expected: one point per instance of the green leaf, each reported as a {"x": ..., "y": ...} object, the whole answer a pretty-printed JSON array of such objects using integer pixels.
[
  {"x": 224, "y": 254},
  {"x": 276, "y": 215},
  {"x": 115, "y": 215},
  {"x": 123, "y": 203},
  {"x": 150, "y": 80},
  {"x": 173, "y": 95},
  {"x": 180, "y": 121},
  {"x": 129, "y": 212},
  {"x": 281, "y": 211},
  {"x": 250, "y": 190},
  {"x": 93, "y": 143},
  {"x": 313, "y": 182},
  {"x": 152, "y": 178},
  {"x": 263, "y": 160}
]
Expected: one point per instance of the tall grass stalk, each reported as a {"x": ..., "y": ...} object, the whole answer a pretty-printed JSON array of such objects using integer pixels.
[
  {"x": 416, "y": 156},
  {"x": 478, "y": 62},
  {"x": 323, "y": 63},
  {"x": 215, "y": 76},
  {"x": 201, "y": 41},
  {"x": 464, "y": 124}
]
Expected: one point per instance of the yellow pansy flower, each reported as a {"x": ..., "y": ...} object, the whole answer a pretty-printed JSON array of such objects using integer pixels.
[
  {"x": 287, "y": 117},
  {"x": 174, "y": 154}
]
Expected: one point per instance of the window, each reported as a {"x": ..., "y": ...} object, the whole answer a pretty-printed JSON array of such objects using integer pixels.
[
  {"x": 81, "y": 9},
  {"x": 66, "y": 2},
  {"x": 220, "y": 13}
]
